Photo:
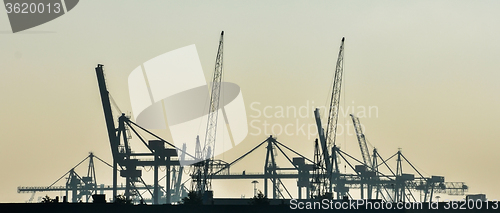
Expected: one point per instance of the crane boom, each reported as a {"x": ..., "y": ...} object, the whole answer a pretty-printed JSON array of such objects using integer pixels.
[
  {"x": 108, "y": 114},
  {"x": 362, "y": 142},
  {"x": 114, "y": 140},
  {"x": 203, "y": 170},
  {"x": 214, "y": 102},
  {"x": 322, "y": 179},
  {"x": 327, "y": 140},
  {"x": 331, "y": 129},
  {"x": 324, "y": 149}
]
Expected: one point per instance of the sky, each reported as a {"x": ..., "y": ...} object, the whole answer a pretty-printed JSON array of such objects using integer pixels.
[{"x": 427, "y": 69}]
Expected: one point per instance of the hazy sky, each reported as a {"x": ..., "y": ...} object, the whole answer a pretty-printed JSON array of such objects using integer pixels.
[{"x": 430, "y": 68}]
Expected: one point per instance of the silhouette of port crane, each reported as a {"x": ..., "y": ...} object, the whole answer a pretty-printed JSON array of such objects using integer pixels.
[
  {"x": 372, "y": 184},
  {"x": 80, "y": 187},
  {"x": 322, "y": 178},
  {"x": 372, "y": 177}
]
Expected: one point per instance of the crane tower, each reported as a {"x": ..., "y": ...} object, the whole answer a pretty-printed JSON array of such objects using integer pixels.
[
  {"x": 204, "y": 168},
  {"x": 327, "y": 139}
]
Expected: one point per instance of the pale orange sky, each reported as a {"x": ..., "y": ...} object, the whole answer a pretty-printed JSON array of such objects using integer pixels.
[{"x": 430, "y": 67}]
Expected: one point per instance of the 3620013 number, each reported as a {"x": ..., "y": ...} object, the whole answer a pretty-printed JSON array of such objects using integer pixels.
[{"x": 33, "y": 8}]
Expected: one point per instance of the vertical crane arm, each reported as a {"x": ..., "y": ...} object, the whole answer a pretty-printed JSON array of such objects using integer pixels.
[
  {"x": 114, "y": 140},
  {"x": 214, "y": 101},
  {"x": 322, "y": 140},
  {"x": 204, "y": 169},
  {"x": 362, "y": 142},
  {"x": 108, "y": 115},
  {"x": 331, "y": 128}
]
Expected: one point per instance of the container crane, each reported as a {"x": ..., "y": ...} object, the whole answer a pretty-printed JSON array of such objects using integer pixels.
[{"x": 128, "y": 161}]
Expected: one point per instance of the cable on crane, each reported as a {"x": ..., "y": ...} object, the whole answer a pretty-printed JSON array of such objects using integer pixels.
[{"x": 114, "y": 103}]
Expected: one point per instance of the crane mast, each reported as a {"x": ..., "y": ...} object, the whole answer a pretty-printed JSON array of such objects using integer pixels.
[
  {"x": 362, "y": 142},
  {"x": 331, "y": 130},
  {"x": 327, "y": 140},
  {"x": 204, "y": 180}
]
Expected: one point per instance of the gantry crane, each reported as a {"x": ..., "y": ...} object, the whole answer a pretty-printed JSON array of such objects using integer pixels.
[
  {"x": 129, "y": 161},
  {"x": 81, "y": 187},
  {"x": 203, "y": 169}
]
